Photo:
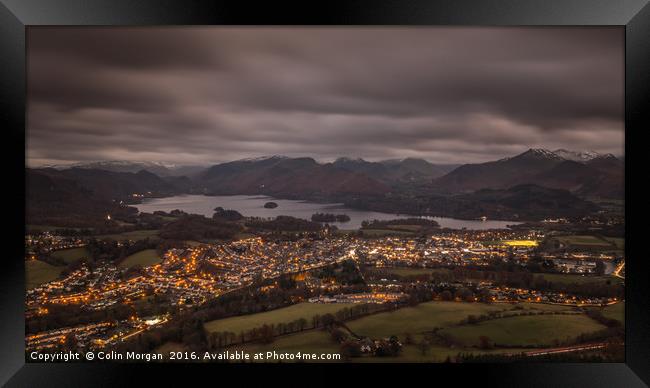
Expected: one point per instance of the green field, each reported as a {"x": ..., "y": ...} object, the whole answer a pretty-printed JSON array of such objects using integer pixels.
[
  {"x": 46, "y": 228},
  {"x": 71, "y": 255},
  {"x": 407, "y": 271},
  {"x": 421, "y": 318},
  {"x": 618, "y": 241},
  {"x": 144, "y": 258},
  {"x": 413, "y": 320},
  {"x": 282, "y": 315},
  {"x": 615, "y": 311},
  {"x": 525, "y": 330},
  {"x": 312, "y": 341},
  {"x": 551, "y": 277},
  {"x": 134, "y": 235},
  {"x": 39, "y": 272},
  {"x": 319, "y": 341},
  {"x": 578, "y": 279},
  {"x": 586, "y": 240}
]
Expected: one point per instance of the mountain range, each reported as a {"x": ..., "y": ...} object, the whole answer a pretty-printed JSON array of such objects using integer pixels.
[
  {"x": 537, "y": 181},
  {"x": 160, "y": 169},
  {"x": 585, "y": 174}
]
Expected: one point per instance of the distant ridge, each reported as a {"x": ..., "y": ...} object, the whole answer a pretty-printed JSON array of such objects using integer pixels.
[{"x": 585, "y": 173}]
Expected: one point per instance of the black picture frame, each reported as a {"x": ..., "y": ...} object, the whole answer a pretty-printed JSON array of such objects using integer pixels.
[{"x": 16, "y": 15}]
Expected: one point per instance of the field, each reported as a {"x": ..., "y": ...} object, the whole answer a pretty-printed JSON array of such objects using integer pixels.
[
  {"x": 407, "y": 271},
  {"x": 520, "y": 243},
  {"x": 134, "y": 235},
  {"x": 144, "y": 258},
  {"x": 71, "y": 255},
  {"x": 421, "y": 318},
  {"x": 415, "y": 321},
  {"x": 312, "y": 341},
  {"x": 615, "y": 311},
  {"x": 427, "y": 316},
  {"x": 579, "y": 279},
  {"x": 283, "y": 315},
  {"x": 618, "y": 241},
  {"x": 585, "y": 241},
  {"x": 38, "y": 272},
  {"x": 319, "y": 342},
  {"x": 551, "y": 277},
  {"x": 45, "y": 228},
  {"x": 525, "y": 330}
]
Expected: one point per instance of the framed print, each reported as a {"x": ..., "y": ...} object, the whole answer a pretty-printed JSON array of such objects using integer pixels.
[{"x": 288, "y": 192}]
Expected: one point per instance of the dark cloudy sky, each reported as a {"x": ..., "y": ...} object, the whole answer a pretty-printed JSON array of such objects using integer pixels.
[{"x": 205, "y": 95}]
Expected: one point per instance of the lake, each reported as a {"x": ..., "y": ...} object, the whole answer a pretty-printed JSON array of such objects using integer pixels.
[{"x": 253, "y": 206}]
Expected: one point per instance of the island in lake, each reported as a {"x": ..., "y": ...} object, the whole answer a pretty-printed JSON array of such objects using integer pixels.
[{"x": 270, "y": 205}]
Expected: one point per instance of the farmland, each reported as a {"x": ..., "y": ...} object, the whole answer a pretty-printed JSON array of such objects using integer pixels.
[
  {"x": 282, "y": 315},
  {"x": 144, "y": 258},
  {"x": 38, "y": 272},
  {"x": 417, "y": 321},
  {"x": 71, "y": 255},
  {"x": 525, "y": 330}
]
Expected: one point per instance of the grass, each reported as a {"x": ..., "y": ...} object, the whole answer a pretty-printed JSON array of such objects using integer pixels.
[
  {"x": 413, "y": 320},
  {"x": 134, "y": 235},
  {"x": 71, "y": 255},
  {"x": 525, "y": 330},
  {"x": 319, "y": 341},
  {"x": 618, "y": 241},
  {"x": 421, "y": 318},
  {"x": 312, "y": 341},
  {"x": 520, "y": 243},
  {"x": 615, "y": 311},
  {"x": 407, "y": 271},
  {"x": 46, "y": 228},
  {"x": 584, "y": 240},
  {"x": 144, "y": 258},
  {"x": 38, "y": 272},
  {"x": 578, "y": 279},
  {"x": 551, "y": 277},
  {"x": 282, "y": 315}
]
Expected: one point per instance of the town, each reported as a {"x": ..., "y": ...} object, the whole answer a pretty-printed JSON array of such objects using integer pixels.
[{"x": 190, "y": 276}]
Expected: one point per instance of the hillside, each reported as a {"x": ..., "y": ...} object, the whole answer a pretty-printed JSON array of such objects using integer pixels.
[
  {"x": 585, "y": 174},
  {"x": 286, "y": 177},
  {"x": 57, "y": 200}
]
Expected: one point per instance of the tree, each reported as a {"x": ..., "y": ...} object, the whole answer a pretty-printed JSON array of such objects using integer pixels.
[
  {"x": 484, "y": 342},
  {"x": 328, "y": 320},
  {"x": 266, "y": 334},
  {"x": 350, "y": 349},
  {"x": 338, "y": 335}
]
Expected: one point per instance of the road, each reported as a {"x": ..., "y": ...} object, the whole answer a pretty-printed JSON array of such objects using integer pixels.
[{"x": 566, "y": 349}]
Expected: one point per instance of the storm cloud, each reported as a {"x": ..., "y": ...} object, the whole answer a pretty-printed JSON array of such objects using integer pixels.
[{"x": 191, "y": 95}]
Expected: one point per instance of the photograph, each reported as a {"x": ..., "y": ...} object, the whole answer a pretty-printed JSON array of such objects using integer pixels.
[{"x": 325, "y": 194}]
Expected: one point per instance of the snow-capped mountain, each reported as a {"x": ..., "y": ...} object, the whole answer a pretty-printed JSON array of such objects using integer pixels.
[
  {"x": 577, "y": 156},
  {"x": 263, "y": 158},
  {"x": 158, "y": 168},
  {"x": 579, "y": 172}
]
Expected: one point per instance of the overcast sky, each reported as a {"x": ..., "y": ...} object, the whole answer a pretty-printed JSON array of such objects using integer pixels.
[{"x": 206, "y": 95}]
